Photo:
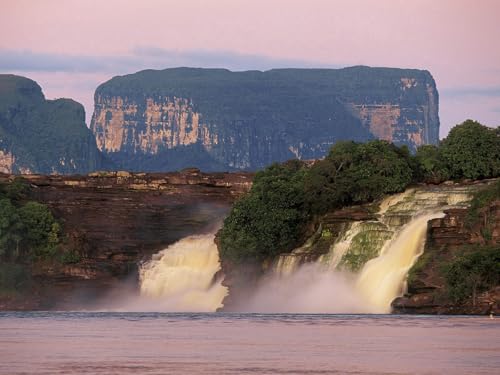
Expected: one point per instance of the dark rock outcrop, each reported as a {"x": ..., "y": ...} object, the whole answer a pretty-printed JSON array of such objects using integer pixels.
[
  {"x": 215, "y": 119},
  {"x": 42, "y": 136}
]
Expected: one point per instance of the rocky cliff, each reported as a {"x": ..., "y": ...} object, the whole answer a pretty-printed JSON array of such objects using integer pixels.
[
  {"x": 116, "y": 219},
  {"x": 446, "y": 237},
  {"x": 42, "y": 136},
  {"x": 215, "y": 119}
]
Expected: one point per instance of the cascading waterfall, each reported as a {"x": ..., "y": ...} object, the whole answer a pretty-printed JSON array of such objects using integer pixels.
[
  {"x": 181, "y": 277},
  {"x": 381, "y": 279},
  {"x": 363, "y": 272},
  {"x": 393, "y": 242},
  {"x": 333, "y": 258}
]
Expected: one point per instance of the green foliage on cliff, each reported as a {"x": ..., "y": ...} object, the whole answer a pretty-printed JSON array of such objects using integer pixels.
[
  {"x": 28, "y": 230},
  {"x": 472, "y": 271},
  {"x": 432, "y": 167},
  {"x": 356, "y": 173},
  {"x": 270, "y": 218},
  {"x": 470, "y": 151},
  {"x": 273, "y": 217},
  {"x": 478, "y": 212}
]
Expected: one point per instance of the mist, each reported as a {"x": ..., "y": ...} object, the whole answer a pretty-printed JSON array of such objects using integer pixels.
[{"x": 310, "y": 289}]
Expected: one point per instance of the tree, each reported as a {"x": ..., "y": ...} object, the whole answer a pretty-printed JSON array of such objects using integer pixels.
[
  {"x": 357, "y": 173},
  {"x": 473, "y": 271},
  {"x": 41, "y": 229},
  {"x": 430, "y": 164},
  {"x": 270, "y": 219},
  {"x": 472, "y": 150},
  {"x": 10, "y": 229}
]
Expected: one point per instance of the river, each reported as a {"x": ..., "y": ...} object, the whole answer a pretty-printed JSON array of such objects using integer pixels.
[{"x": 223, "y": 343}]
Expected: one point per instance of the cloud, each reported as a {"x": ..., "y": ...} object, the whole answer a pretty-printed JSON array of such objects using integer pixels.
[
  {"x": 142, "y": 58},
  {"x": 460, "y": 92}
]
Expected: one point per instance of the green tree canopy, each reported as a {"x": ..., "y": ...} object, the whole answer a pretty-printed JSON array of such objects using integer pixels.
[
  {"x": 270, "y": 218},
  {"x": 358, "y": 172},
  {"x": 41, "y": 229},
  {"x": 431, "y": 166},
  {"x": 472, "y": 150},
  {"x": 10, "y": 229}
]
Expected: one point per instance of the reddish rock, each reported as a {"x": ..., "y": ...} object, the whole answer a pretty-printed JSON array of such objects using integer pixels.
[{"x": 116, "y": 219}]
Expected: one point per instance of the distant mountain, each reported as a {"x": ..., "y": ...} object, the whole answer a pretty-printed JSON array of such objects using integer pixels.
[
  {"x": 215, "y": 119},
  {"x": 42, "y": 136}
]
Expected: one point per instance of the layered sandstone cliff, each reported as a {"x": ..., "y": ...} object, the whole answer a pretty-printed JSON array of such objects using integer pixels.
[{"x": 215, "y": 119}]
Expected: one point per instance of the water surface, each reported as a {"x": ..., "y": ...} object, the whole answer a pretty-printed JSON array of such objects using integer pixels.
[{"x": 166, "y": 343}]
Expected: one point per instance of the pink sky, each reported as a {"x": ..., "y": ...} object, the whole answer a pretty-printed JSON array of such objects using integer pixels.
[{"x": 69, "y": 47}]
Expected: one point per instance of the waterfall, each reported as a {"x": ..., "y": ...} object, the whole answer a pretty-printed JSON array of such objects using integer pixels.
[
  {"x": 368, "y": 259},
  {"x": 345, "y": 267},
  {"x": 381, "y": 280},
  {"x": 181, "y": 277}
]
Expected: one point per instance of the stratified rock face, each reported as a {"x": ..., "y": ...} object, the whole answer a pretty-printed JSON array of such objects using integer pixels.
[
  {"x": 215, "y": 119},
  {"x": 42, "y": 136},
  {"x": 116, "y": 219}
]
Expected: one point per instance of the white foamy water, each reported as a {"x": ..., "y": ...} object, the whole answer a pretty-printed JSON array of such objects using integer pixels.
[
  {"x": 381, "y": 280},
  {"x": 181, "y": 277}
]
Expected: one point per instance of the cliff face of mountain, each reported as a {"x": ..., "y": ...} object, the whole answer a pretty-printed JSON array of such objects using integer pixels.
[
  {"x": 42, "y": 136},
  {"x": 215, "y": 119},
  {"x": 114, "y": 220}
]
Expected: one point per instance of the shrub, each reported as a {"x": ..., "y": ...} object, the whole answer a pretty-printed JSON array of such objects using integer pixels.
[{"x": 472, "y": 271}]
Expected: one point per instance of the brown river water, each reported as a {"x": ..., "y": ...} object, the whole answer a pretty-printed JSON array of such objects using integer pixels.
[{"x": 218, "y": 343}]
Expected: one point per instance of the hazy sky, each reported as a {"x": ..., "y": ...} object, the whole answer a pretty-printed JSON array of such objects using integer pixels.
[{"x": 70, "y": 47}]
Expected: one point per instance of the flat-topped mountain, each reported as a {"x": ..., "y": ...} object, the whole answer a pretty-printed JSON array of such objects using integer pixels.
[
  {"x": 215, "y": 119},
  {"x": 42, "y": 136}
]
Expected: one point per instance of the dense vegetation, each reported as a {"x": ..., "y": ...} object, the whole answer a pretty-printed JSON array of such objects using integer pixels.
[
  {"x": 28, "y": 230},
  {"x": 28, "y": 233},
  {"x": 470, "y": 151},
  {"x": 472, "y": 271},
  {"x": 286, "y": 198}
]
